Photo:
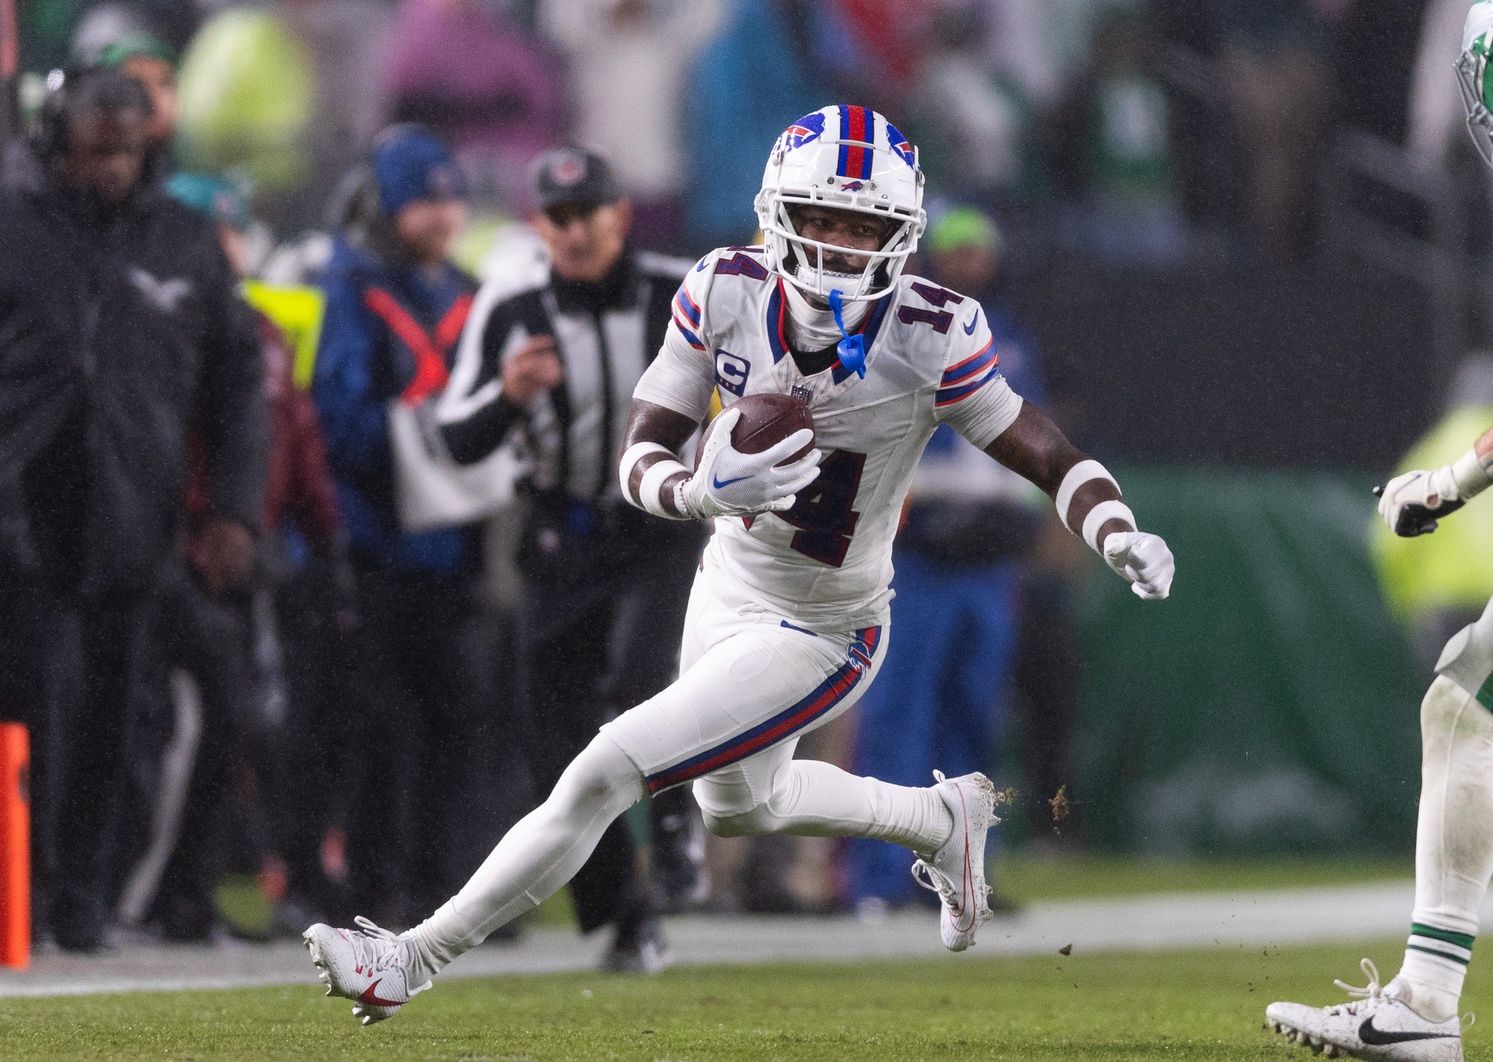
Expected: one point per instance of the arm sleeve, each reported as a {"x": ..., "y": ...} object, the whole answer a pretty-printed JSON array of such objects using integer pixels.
[
  {"x": 231, "y": 401},
  {"x": 354, "y": 421},
  {"x": 473, "y": 414},
  {"x": 972, "y": 395},
  {"x": 682, "y": 377}
]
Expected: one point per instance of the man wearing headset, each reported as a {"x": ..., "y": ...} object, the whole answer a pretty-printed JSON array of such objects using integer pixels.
[{"x": 119, "y": 322}]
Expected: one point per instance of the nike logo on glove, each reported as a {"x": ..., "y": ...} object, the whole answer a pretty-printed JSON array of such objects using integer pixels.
[
  {"x": 718, "y": 484},
  {"x": 1376, "y": 1037},
  {"x": 969, "y": 329}
]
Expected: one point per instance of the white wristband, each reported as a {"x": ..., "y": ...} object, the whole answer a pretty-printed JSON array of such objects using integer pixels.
[
  {"x": 1472, "y": 474},
  {"x": 1077, "y": 476},
  {"x": 650, "y": 490},
  {"x": 648, "y": 496},
  {"x": 1102, "y": 514}
]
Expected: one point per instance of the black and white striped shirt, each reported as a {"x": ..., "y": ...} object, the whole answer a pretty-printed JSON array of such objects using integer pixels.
[{"x": 607, "y": 334}]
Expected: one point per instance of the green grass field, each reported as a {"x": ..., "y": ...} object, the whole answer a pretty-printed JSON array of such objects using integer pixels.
[{"x": 1185, "y": 1005}]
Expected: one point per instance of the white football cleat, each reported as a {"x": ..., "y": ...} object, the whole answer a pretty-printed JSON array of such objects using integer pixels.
[
  {"x": 957, "y": 870},
  {"x": 1374, "y": 1026},
  {"x": 371, "y": 966}
]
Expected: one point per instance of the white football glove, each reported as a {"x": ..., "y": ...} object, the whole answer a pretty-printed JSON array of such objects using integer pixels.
[
  {"x": 727, "y": 482},
  {"x": 1144, "y": 560},
  {"x": 1412, "y": 503}
]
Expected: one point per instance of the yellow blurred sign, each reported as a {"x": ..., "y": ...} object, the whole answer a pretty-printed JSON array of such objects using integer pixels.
[{"x": 297, "y": 311}]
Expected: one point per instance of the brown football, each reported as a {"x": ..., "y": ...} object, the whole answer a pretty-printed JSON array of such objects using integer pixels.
[{"x": 767, "y": 419}]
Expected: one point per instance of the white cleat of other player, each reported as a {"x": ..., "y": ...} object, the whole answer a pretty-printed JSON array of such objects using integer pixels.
[
  {"x": 373, "y": 967},
  {"x": 957, "y": 870},
  {"x": 1377, "y": 1025}
]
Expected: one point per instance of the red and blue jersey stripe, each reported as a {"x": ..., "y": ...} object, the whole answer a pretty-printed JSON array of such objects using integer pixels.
[
  {"x": 963, "y": 379},
  {"x": 856, "y": 124},
  {"x": 785, "y": 724},
  {"x": 687, "y": 317}
]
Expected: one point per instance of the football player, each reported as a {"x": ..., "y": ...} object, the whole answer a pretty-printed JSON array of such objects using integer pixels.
[
  {"x": 788, "y": 618},
  {"x": 1414, "y": 1017}
]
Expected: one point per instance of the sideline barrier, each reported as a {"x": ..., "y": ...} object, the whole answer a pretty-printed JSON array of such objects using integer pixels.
[{"x": 15, "y": 846}]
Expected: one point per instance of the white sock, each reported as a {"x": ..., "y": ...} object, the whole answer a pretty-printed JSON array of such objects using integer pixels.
[
  {"x": 539, "y": 855},
  {"x": 1453, "y": 848},
  {"x": 817, "y": 799}
]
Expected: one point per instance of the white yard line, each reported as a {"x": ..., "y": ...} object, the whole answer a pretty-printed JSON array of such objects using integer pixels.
[{"x": 1143, "y": 923}]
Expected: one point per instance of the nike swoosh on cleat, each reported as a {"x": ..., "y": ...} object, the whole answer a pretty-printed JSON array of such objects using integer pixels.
[
  {"x": 1376, "y": 1037},
  {"x": 969, "y": 329},
  {"x": 373, "y": 1000},
  {"x": 717, "y": 484}
]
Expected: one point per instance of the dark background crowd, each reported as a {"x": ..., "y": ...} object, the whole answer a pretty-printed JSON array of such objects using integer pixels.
[{"x": 1241, "y": 233}]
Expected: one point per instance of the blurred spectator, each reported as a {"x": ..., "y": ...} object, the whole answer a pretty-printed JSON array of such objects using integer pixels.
[
  {"x": 941, "y": 696},
  {"x": 152, "y": 62},
  {"x": 217, "y": 682},
  {"x": 735, "y": 109},
  {"x": 394, "y": 308},
  {"x": 1123, "y": 155},
  {"x": 481, "y": 82},
  {"x": 552, "y": 355},
  {"x": 123, "y": 322},
  {"x": 1276, "y": 57},
  {"x": 347, "y": 41},
  {"x": 873, "y": 50},
  {"x": 246, "y": 93},
  {"x": 977, "y": 129},
  {"x": 628, "y": 60}
]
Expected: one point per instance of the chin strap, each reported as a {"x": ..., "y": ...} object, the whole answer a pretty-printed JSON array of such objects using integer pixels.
[{"x": 852, "y": 349}]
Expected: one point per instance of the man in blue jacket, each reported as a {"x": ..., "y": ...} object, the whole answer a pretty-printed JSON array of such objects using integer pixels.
[{"x": 394, "y": 308}]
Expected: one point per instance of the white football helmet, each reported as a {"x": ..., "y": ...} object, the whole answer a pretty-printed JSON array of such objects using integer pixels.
[
  {"x": 1472, "y": 68},
  {"x": 846, "y": 158}
]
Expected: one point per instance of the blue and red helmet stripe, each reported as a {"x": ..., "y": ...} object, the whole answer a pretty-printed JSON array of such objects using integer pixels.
[{"x": 856, "y": 123}]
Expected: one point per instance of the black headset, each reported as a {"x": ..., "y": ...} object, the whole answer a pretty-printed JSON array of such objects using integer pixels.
[{"x": 67, "y": 87}]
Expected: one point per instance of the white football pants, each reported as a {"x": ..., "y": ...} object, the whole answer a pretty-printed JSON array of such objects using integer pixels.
[{"x": 750, "y": 684}]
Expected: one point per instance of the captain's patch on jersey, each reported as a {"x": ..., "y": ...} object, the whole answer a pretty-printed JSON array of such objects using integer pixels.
[{"x": 731, "y": 372}]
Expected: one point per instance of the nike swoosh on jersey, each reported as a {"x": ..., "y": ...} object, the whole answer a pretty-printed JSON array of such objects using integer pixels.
[
  {"x": 717, "y": 484},
  {"x": 969, "y": 329},
  {"x": 1376, "y": 1037}
]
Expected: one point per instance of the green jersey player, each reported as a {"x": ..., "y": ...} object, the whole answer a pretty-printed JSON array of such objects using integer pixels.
[{"x": 1414, "y": 1017}]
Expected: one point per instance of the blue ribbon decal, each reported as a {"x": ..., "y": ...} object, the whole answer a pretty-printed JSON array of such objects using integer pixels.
[{"x": 852, "y": 349}]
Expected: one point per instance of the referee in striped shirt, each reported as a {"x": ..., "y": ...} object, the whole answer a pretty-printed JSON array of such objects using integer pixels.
[{"x": 549, "y": 359}]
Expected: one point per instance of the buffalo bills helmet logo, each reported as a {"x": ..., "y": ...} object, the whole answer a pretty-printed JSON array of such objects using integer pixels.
[
  {"x": 809, "y": 127},
  {"x": 901, "y": 146}
]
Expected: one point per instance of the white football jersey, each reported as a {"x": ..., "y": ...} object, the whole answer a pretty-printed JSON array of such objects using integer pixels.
[{"x": 930, "y": 359}]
